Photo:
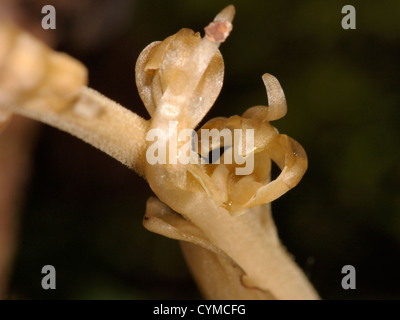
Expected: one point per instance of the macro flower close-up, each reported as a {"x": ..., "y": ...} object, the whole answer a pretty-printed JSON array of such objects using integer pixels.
[{"x": 228, "y": 116}]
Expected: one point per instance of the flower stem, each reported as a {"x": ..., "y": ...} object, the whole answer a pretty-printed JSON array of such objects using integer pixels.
[
  {"x": 98, "y": 121},
  {"x": 251, "y": 241}
]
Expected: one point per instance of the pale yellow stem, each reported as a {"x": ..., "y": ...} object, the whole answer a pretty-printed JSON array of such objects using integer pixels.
[
  {"x": 232, "y": 257},
  {"x": 49, "y": 86},
  {"x": 98, "y": 121},
  {"x": 258, "y": 251}
]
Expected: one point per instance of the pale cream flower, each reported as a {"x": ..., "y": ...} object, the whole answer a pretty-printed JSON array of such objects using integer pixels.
[{"x": 222, "y": 219}]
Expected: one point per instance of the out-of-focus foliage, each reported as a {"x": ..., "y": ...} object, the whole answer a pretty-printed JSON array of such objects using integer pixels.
[{"x": 83, "y": 210}]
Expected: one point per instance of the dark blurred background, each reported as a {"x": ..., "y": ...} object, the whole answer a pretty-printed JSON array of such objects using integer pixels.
[{"x": 83, "y": 210}]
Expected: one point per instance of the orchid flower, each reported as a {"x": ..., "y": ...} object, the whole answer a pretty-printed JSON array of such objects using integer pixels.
[{"x": 222, "y": 219}]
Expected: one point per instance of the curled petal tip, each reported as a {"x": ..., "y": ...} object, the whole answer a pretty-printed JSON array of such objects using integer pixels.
[
  {"x": 226, "y": 14},
  {"x": 221, "y": 27}
]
